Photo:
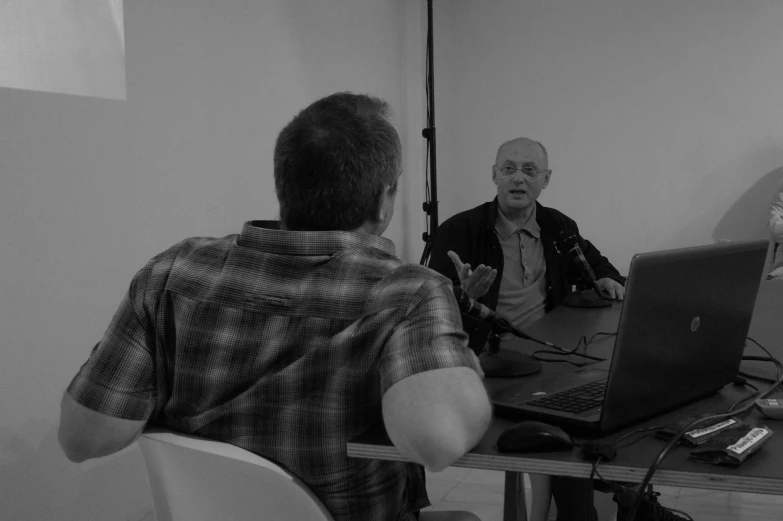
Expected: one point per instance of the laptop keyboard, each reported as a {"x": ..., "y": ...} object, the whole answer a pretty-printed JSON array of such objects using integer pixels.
[{"x": 574, "y": 400}]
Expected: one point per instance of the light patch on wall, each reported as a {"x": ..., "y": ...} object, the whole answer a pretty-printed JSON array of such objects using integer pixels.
[{"x": 65, "y": 46}]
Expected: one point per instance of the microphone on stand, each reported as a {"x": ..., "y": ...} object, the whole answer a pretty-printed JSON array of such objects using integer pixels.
[
  {"x": 580, "y": 299},
  {"x": 571, "y": 244},
  {"x": 475, "y": 309},
  {"x": 493, "y": 362}
]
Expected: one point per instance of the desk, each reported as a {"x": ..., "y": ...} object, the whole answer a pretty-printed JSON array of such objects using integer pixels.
[{"x": 762, "y": 474}]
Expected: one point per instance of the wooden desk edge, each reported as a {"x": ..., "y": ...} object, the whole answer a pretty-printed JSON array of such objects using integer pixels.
[{"x": 672, "y": 478}]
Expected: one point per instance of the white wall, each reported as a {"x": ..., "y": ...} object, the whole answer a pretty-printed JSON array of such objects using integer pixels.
[
  {"x": 92, "y": 188},
  {"x": 663, "y": 120},
  {"x": 68, "y": 46}
]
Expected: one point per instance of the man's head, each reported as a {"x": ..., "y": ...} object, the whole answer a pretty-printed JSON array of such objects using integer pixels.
[
  {"x": 521, "y": 171},
  {"x": 337, "y": 164}
]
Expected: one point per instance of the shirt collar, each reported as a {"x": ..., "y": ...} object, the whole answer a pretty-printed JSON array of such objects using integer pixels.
[
  {"x": 267, "y": 236},
  {"x": 506, "y": 228}
]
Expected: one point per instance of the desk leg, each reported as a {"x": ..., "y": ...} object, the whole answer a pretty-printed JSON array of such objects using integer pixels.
[{"x": 514, "y": 497}]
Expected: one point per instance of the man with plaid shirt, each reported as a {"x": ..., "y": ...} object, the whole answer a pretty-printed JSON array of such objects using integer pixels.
[{"x": 292, "y": 337}]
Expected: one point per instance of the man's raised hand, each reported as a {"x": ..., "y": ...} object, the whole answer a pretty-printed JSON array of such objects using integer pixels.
[{"x": 476, "y": 282}]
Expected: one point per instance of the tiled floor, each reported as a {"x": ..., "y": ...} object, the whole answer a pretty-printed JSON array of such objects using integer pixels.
[{"x": 481, "y": 492}]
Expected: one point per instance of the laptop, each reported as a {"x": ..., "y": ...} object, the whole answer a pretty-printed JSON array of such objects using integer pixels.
[{"x": 681, "y": 335}]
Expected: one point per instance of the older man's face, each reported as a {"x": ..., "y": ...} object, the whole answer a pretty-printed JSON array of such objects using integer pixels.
[{"x": 516, "y": 190}]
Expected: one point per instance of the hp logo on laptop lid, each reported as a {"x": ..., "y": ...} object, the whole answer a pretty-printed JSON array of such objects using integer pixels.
[{"x": 695, "y": 323}]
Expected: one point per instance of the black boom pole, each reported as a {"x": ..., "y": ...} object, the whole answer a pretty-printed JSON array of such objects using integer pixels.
[{"x": 430, "y": 205}]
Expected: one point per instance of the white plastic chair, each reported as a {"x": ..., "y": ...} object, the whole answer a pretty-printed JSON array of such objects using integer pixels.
[{"x": 195, "y": 479}]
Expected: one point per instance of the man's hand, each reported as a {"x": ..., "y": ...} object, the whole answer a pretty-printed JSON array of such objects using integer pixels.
[
  {"x": 474, "y": 283},
  {"x": 611, "y": 288}
]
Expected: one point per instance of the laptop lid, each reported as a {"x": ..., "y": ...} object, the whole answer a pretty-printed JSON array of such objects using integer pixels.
[
  {"x": 683, "y": 327},
  {"x": 680, "y": 336}
]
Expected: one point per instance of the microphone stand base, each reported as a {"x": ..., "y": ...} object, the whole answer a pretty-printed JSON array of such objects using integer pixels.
[
  {"x": 586, "y": 299},
  {"x": 508, "y": 364}
]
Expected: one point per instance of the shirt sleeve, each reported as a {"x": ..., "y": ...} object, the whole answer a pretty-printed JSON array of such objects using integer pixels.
[
  {"x": 118, "y": 379},
  {"x": 430, "y": 336}
]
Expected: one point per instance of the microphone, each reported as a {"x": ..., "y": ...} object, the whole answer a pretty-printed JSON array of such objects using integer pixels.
[
  {"x": 495, "y": 363},
  {"x": 470, "y": 307},
  {"x": 571, "y": 244},
  {"x": 475, "y": 309}
]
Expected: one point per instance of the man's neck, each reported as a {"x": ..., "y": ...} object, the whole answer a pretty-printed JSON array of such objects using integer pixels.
[
  {"x": 368, "y": 228},
  {"x": 518, "y": 216}
]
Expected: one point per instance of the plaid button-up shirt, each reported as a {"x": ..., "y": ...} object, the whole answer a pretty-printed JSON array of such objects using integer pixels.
[{"x": 282, "y": 343}]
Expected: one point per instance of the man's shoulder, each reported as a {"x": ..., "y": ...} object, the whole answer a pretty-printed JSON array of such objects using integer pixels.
[
  {"x": 419, "y": 272},
  {"x": 467, "y": 217},
  {"x": 472, "y": 213},
  {"x": 548, "y": 217},
  {"x": 191, "y": 254},
  {"x": 413, "y": 278},
  {"x": 406, "y": 286},
  {"x": 195, "y": 247}
]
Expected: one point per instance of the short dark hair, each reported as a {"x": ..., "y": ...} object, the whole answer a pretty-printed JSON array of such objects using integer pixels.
[{"x": 333, "y": 162}]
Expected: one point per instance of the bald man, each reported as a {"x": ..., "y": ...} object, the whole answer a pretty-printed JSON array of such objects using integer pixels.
[{"x": 505, "y": 254}]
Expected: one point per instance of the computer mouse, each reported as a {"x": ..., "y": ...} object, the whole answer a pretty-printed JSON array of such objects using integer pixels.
[{"x": 534, "y": 436}]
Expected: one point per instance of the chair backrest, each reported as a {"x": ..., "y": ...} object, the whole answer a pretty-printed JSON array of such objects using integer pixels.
[{"x": 195, "y": 479}]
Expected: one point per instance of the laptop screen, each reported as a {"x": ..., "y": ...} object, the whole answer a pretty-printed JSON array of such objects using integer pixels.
[{"x": 682, "y": 328}]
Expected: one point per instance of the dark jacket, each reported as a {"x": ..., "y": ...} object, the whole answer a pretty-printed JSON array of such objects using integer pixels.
[{"x": 471, "y": 234}]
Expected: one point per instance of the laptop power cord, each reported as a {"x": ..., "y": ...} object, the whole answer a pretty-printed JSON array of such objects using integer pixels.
[
  {"x": 625, "y": 494},
  {"x": 638, "y": 501}
]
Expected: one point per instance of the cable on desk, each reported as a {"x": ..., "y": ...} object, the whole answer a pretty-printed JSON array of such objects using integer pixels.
[
  {"x": 672, "y": 442},
  {"x": 616, "y": 443},
  {"x": 583, "y": 342},
  {"x": 587, "y": 341},
  {"x": 646, "y": 431},
  {"x": 757, "y": 377},
  {"x": 740, "y": 380},
  {"x": 537, "y": 355},
  {"x": 779, "y": 382}
]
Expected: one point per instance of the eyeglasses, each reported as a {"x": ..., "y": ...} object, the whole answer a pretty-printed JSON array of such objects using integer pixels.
[{"x": 529, "y": 171}]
